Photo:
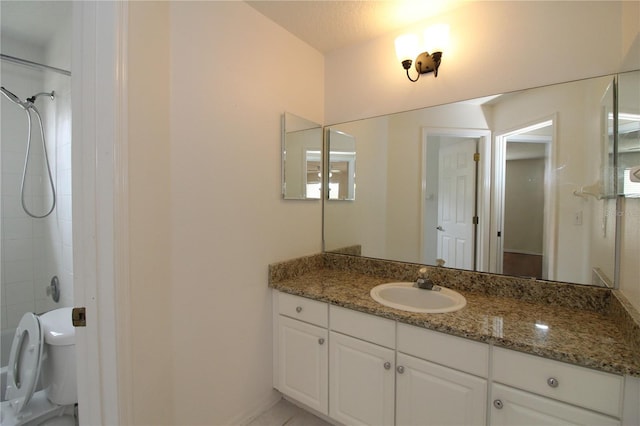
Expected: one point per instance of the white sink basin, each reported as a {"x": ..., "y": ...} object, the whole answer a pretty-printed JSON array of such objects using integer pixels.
[{"x": 406, "y": 297}]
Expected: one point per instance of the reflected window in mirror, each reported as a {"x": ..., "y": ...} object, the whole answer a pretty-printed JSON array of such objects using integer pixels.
[
  {"x": 629, "y": 134},
  {"x": 313, "y": 188}
]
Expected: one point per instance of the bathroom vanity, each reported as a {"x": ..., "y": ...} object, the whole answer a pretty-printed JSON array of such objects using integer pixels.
[{"x": 516, "y": 354}]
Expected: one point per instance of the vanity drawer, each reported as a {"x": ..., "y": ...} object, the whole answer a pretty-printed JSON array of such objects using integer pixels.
[
  {"x": 595, "y": 390},
  {"x": 380, "y": 331},
  {"x": 451, "y": 351},
  {"x": 303, "y": 309}
]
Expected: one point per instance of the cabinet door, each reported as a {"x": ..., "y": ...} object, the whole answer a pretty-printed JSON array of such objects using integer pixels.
[
  {"x": 514, "y": 407},
  {"x": 361, "y": 382},
  {"x": 303, "y": 363},
  {"x": 430, "y": 394}
]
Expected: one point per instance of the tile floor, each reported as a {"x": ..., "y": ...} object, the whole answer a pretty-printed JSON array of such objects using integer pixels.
[{"x": 285, "y": 413}]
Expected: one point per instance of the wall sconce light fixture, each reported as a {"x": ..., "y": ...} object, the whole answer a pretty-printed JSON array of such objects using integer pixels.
[{"x": 408, "y": 46}]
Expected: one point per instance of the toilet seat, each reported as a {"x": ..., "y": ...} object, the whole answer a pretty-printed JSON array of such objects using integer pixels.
[{"x": 24, "y": 362}]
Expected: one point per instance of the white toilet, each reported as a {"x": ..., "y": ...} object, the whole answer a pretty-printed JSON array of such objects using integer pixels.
[{"x": 43, "y": 346}]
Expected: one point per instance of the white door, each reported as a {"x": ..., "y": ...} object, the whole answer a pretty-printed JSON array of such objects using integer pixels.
[
  {"x": 456, "y": 203},
  {"x": 430, "y": 394},
  {"x": 303, "y": 363},
  {"x": 515, "y": 407},
  {"x": 361, "y": 382}
]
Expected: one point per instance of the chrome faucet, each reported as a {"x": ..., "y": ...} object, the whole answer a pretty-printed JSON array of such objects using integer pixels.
[{"x": 424, "y": 282}]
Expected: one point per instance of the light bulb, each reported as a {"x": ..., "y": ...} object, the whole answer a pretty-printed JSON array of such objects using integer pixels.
[
  {"x": 407, "y": 47},
  {"x": 436, "y": 38}
]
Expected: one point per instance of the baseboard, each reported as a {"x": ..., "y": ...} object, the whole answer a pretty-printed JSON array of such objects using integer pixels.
[{"x": 265, "y": 404}]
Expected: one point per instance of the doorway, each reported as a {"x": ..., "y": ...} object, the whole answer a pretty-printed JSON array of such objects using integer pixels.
[
  {"x": 454, "y": 217},
  {"x": 524, "y": 200}
]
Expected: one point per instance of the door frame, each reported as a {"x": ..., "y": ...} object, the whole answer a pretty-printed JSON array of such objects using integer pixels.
[
  {"x": 483, "y": 185},
  {"x": 550, "y": 214},
  {"x": 100, "y": 210}
]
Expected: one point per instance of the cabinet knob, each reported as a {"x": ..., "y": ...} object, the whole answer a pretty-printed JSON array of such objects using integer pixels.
[
  {"x": 387, "y": 365},
  {"x": 498, "y": 404},
  {"x": 400, "y": 369},
  {"x": 299, "y": 309},
  {"x": 553, "y": 382},
  {"x": 321, "y": 341}
]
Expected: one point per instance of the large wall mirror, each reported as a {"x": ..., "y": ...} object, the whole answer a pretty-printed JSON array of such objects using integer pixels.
[{"x": 523, "y": 183}]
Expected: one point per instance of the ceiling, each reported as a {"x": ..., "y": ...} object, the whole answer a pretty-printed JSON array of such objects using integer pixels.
[
  {"x": 325, "y": 25},
  {"x": 34, "y": 22},
  {"x": 328, "y": 25}
]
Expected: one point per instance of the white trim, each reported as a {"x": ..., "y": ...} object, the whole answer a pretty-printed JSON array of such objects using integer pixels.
[
  {"x": 98, "y": 96},
  {"x": 121, "y": 221},
  {"x": 483, "y": 185}
]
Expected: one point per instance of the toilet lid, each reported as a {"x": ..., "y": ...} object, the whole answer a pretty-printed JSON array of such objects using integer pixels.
[{"x": 24, "y": 362}]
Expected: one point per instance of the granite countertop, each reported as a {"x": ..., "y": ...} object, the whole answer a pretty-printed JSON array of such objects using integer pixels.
[{"x": 586, "y": 335}]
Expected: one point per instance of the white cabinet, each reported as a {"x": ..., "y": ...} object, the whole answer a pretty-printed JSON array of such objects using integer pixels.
[
  {"x": 430, "y": 394},
  {"x": 360, "y": 369},
  {"x": 595, "y": 390},
  {"x": 361, "y": 381},
  {"x": 303, "y": 363},
  {"x": 514, "y": 407},
  {"x": 534, "y": 390},
  {"x": 301, "y": 350},
  {"x": 430, "y": 389}
]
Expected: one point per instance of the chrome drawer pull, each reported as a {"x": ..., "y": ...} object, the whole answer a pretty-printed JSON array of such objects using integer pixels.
[
  {"x": 551, "y": 381},
  {"x": 321, "y": 341},
  {"x": 387, "y": 365},
  {"x": 498, "y": 404},
  {"x": 299, "y": 309},
  {"x": 400, "y": 369}
]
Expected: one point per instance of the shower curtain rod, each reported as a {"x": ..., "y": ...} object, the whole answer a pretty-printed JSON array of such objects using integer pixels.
[{"x": 33, "y": 64}]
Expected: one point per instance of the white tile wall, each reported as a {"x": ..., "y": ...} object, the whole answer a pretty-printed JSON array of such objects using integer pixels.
[{"x": 34, "y": 250}]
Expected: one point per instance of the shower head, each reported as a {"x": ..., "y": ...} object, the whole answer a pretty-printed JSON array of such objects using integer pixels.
[
  {"x": 13, "y": 98},
  {"x": 10, "y": 96},
  {"x": 33, "y": 98}
]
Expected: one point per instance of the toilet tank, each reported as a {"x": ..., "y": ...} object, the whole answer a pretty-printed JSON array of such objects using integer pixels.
[{"x": 59, "y": 364}]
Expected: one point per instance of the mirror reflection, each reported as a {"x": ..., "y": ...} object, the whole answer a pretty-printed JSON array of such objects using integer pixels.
[
  {"x": 301, "y": 158},
  {"x": 515, "y": 183},
  {"x": 629, "y": 135},
  {"x": 342, "y": 166}
]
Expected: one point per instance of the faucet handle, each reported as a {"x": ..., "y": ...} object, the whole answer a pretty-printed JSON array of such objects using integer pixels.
[{"x": 422, "y": 272}]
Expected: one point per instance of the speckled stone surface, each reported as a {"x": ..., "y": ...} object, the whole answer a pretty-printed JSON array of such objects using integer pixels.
[{"x": 583, "y": 322}]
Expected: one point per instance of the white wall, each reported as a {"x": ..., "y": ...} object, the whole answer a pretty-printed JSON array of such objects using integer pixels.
[
  {"x": 524, "y": 205},
  {"x": 232, "y": 74},
  {"x": 496, "y": 46},
  {"x": 151, "y": 351}
]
